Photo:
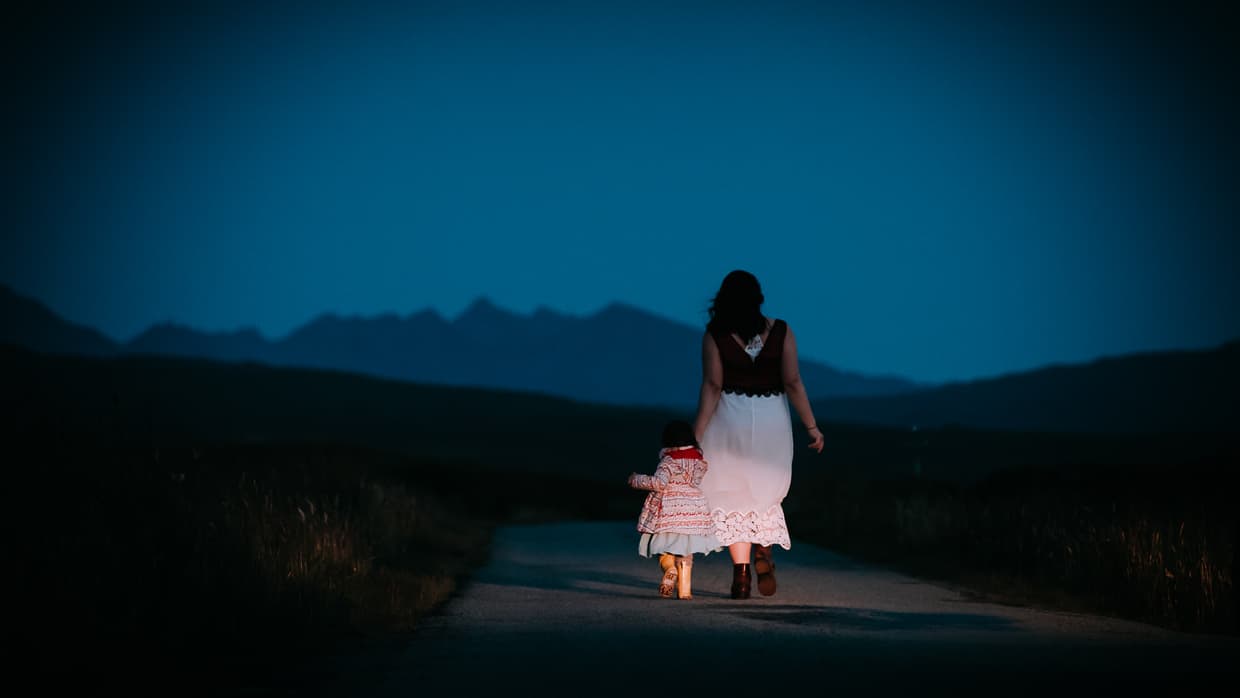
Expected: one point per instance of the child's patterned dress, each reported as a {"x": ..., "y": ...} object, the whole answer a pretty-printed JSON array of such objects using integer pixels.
[{"x": 676, "y": 517}]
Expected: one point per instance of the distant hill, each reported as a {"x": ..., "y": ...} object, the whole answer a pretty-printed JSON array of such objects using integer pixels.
[
  {"x": 1174, "y": 391},
  {"x": 624, "y": 356},
  {"x": 173, "y": 402},
  {"x": 620, "y": 355},
  {"x": 27, "y": 322},
  {"x": 150, "y": 403}
]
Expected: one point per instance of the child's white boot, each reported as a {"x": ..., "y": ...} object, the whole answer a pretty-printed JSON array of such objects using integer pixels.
[{"x": 684, "y": 576}]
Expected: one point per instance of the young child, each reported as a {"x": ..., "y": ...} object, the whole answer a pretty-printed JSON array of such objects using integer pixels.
[{"x": 675, "y": 520}]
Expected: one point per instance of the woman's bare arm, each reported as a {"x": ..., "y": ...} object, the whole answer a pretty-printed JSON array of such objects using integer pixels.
[
  {"x": 712, "y": 385},
  {"x": 797, "y": 395}
]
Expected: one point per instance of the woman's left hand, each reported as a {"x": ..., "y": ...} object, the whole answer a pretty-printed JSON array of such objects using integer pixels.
[{"x": 816, "y": 434}]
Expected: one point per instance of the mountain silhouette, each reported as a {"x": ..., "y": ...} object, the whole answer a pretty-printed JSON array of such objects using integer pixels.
[
  {"x": 179, "y": 340},
  {"x": 1153, "y": 392},
  {"x": 27, "y": 322},
  {"x": 620, "y": 355}
]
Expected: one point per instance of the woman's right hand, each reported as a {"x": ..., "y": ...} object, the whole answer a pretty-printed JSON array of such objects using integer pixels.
[{"x": 817, "y": 439}]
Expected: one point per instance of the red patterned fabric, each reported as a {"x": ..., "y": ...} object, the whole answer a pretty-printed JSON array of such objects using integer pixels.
[{"x": 675, "y": 504}]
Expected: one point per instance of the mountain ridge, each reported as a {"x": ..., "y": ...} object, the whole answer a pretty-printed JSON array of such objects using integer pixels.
[
  {"x": 483, "y": 345},
  {"x": 1180, "y": 390},
  {"x": 556, "y": 354}
]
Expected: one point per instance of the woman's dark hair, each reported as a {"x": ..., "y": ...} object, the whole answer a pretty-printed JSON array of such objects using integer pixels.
[
  {"x": 678, "y": 433},
  {"x": 737, "y": 306}
]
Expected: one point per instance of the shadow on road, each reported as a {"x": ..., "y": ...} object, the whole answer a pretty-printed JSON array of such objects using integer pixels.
[
  {"x": 866, "y": 619},
  {"x": 554, "y": 577}
]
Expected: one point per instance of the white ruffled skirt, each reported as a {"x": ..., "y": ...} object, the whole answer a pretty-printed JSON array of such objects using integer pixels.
[
  {"x": 652, "y": 544},
  {"x": 748, "y": 448}
]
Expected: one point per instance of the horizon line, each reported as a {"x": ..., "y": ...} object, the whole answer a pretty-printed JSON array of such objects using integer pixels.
[{"x": 484, "y": 300}]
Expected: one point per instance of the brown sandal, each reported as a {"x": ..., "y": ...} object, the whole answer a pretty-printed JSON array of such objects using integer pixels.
[
  {"x": 667, "y": 586},
  {"x": 764, "y": 566}
]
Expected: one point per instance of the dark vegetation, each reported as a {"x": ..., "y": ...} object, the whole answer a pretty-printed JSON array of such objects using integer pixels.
[
  {"x": 224, "y": 526},
  {"x": 1149, "y": 533},
  {"x": 241, "y": 569},
  {"x": 214, "y": 570},
  {"x": 205, "y": 529}
]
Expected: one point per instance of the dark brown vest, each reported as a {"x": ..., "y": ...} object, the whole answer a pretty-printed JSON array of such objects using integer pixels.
[{"x": 745, "y": 376}]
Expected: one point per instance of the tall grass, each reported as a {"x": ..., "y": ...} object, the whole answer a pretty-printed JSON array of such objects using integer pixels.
[
  {"x": 1112, "y": 541},
  {"x": 222, "y": 568}
]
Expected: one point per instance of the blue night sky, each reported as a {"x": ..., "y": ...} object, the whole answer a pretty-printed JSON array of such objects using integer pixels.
[{"x": 942, "y": 193}]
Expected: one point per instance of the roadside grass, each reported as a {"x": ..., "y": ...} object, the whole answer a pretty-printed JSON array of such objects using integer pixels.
[
  {"x": 1123, "y": 541},
  {"x": 260, "y": 569},
  {"x": 242, "y": 569}
]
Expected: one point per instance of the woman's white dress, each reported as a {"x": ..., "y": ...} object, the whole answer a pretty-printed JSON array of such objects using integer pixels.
[{"x": 748, "y": 443}]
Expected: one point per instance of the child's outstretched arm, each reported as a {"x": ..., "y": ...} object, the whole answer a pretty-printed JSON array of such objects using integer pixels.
[{"x": 656, "y": 482}]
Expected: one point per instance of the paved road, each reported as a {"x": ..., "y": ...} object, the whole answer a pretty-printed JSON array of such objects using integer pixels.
[{"x": 571, "y": 609}]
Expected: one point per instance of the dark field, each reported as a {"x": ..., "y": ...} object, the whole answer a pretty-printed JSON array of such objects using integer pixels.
[{"x": 216, "y": 524}]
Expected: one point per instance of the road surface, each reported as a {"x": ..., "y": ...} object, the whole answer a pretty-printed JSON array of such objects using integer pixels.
[{"x": 571, "y": 609}]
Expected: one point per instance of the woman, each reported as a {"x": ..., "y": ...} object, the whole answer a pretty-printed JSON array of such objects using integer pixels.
[{"x": 749, "y": 375}]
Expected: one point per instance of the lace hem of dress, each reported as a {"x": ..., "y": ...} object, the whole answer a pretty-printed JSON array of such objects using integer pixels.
[
  {"x": 752, "y": 527},
  {"x": 753, "y": 392}
]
